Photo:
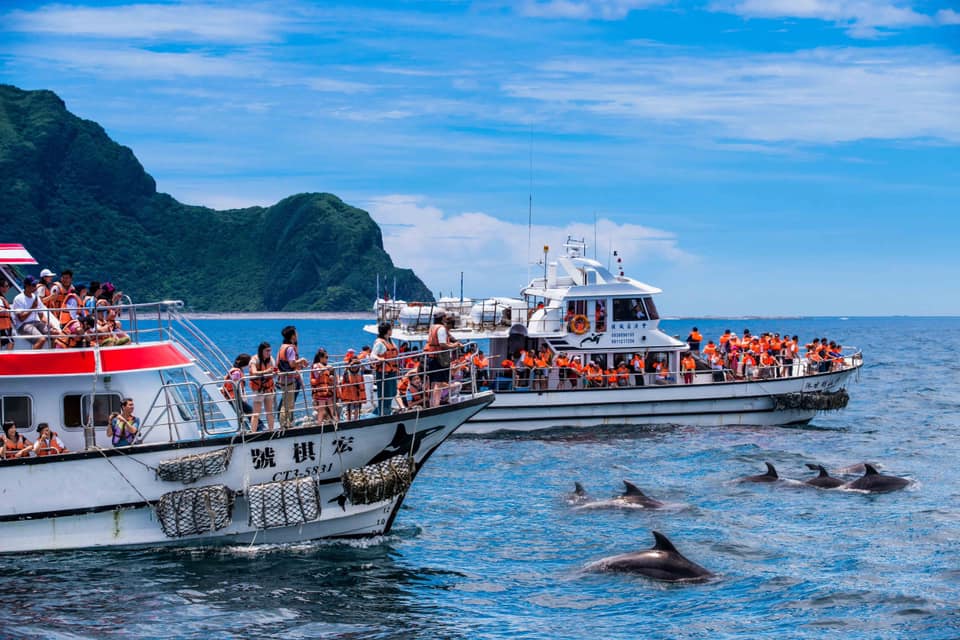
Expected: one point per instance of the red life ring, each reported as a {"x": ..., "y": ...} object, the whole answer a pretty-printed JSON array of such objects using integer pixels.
[{"x": 579, "y": 324}]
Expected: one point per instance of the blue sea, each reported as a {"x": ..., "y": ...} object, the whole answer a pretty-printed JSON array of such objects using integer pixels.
[{"x": 488, "y": 545}]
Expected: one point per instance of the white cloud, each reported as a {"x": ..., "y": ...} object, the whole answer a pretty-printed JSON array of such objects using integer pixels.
[
  {"x": 493, "y": 252},
  {"x": 584, "y": 9},
  {"x": 862, "y": 18},
  {"x": 948, "y": 16},
  {"x": 177, "y": 22},
  {"x": 814, "y": 96}
]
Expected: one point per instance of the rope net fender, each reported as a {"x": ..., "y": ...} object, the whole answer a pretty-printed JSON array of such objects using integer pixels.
[
  {"x": 197, "y": 510},
  {"x": 378, "y": 482},
  {"x": 813, "y": 401},
  {"x": 191, "y": 468},
  {"x": 283, "y": 503}
]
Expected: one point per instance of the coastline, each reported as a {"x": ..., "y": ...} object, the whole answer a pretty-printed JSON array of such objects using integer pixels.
[{"x": 280, "y": 315}]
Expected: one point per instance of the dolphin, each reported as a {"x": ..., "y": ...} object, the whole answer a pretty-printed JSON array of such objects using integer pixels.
[
  {"x": 579, "y": 494},
  {"x": 824, "y": 480},
  {"x": 876, "y": 482},
  {"x": 633, "y": 495},
  {"x": 769, "y": 476},
  {"x": 661, "y": 562}
]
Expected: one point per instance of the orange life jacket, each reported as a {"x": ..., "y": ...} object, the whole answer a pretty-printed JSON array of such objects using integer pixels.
[
  {"x": 321, "y": 381},
  {"x": 695, "y": 336},
  {"x": 263, "y": 382},
  {"x": 433, "y": 339},
  {"x": 710, "y": 349},
  {"x": 52, "y": 448},
  {"x": 13, "y": 447},
  {"x": 5, "y": 321},
  {"x": 767, "y": 360},
  {"x": 563, "y": 362},
  {"x": 507, "y": 364},
  {"x": 65, "y": 316},
  {"x": 229, "y": 388},
  {"x": 637, "y": 363},
  {"x": 748, "y": 360},
  {"x": 527, "y": 360},
  {"x": 54, "y": 296},
  {"x": 351, "y": 387},
  {"x": 388, "y": 364},
  {"x": 689, "y": 364},
  {"x": 623, "y": 373}
]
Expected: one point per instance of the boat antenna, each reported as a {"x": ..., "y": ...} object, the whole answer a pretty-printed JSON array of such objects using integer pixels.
[
  {"x": 394, "y": 287},
  {"x": 377, "y": 291},
  {"x": 530, "y": 204},
  {"x": 461, "y": 289},
  {"x": 594, "y": 235}
]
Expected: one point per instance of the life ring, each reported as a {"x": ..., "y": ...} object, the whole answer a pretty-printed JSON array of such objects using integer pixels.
[{"x": 579, "y": 324}]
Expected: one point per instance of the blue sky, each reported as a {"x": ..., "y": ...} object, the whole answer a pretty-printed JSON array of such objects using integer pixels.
[{"x": 750, "y": 157}]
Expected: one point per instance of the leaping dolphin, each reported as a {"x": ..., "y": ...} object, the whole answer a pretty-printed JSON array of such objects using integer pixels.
[
  {"x": 824, "y": 480},
  {"x": 769, "y": 476},
  {"x": 876, "y": 482},
  {"x": 661, "y": 562}
]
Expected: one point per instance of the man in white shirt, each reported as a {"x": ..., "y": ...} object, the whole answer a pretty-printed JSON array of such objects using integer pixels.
[{"x": 28, "y": 317}]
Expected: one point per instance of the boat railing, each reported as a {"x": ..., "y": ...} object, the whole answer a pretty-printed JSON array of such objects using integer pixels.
[
  {"x": 187, "y": 409},
  {"x": 483, "y": 315},
  {"x": 127, "y": 322},
  {"x": 554, "y": 377}
]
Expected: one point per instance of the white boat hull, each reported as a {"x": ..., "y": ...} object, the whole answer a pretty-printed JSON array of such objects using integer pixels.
[
  {"x": 704, "y": 403},
  {"x": 107, "y": 498}
]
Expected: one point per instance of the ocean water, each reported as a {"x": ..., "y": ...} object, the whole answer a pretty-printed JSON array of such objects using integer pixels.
[{"x": 488, "y": 546}]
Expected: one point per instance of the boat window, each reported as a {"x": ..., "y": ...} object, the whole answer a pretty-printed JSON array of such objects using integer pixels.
[
  {"x": 651, "y": 309},
  {"x": 78, "y": 409},
  {"x": 19, "y": 409},
  {"x": 628, "y": 309},
  {"x": 600, "y": 315}
]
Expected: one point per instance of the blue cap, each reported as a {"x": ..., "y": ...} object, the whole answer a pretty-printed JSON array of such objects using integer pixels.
[{"x": 29, "y": 281}]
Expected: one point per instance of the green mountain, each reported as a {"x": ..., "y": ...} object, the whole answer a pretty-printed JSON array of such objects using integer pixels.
[{"x": 76, "y": 199}]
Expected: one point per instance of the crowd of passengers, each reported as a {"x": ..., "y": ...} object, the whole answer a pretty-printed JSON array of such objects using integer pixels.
[
  {"x": 730, "y": 358},
  {"x": 122, "y": 430},
  {"x": 61, "y": 314},
  {"x": 266, "y": 386}
]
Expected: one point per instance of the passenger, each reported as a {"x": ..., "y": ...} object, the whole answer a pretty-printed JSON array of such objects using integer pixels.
[
  {"x": 111, "y": 330},
  {"x": 15, "y": 445},
  {"x": 410, "y": 389},
  {"x": 600, "y": 316},
  {"x": 694, "y": 339},
  {"x": 576, "y": 366},
  {"x": 289, "y": 364},
  {"x": 439, "y": 343},
  {"x": 724, "y": 339},
  {"x": 322, "y": 385},
  {"x": 716, "y": 364},
  {"x": 610, "y": 378},
  {"x": 59, "y": 291},
  {"x": 352, "y": 390},
  {"x": 507, "y": 377},
  {"x": 541, "y": 369},
  {"x": 123, "y": 427},
  {"x": 481, "y": 367},
  {"x": 525, "y": 365},
  {"x": 6, "y": 319},
  {"x": 639, "y": 370},
  {"x": 623, "y": 374},
  {"x": 75, "y": 333},
  {"x": 689, "y": 366},
  {"x": 262, "y": 372},
  {"x": 385, "y": 364},
  {"x": 749, "y": 365},
  {"x": 767, "y": 365},
  {"x": 235, "y": 387},
  {"x": 90, "y": 300},
  {"x": 594, "y": 375},
  {"x": 29, "y": 315},
  {"x": 48, "y": 442},
  {"x": 45, "y": 288},
  {"x": 709, "y": 350},
  {"x": 564, "y": 371}
]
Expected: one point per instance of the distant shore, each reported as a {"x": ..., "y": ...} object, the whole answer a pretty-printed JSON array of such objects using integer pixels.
[{"x": 283, "y": 315}]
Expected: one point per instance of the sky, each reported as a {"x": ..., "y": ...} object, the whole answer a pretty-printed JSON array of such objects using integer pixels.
[{"x": 748, "y": 157}]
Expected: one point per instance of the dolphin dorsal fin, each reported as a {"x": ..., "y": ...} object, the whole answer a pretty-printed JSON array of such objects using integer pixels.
[
  {"x": 578, "y": 489},
  {"x": 633, "y": 490},
  {"x": 870, "y": 470},
  {"x": 662, "y": 543},
  {"x": 823, "y": 472},
  {"x": 771, "y": 471}
]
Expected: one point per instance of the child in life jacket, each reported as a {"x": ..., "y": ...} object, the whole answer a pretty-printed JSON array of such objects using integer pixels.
[
  {"x": 322, "y": 385},
  {"x": 352, "y": 390},
  {"x": 48, "y": 442}
]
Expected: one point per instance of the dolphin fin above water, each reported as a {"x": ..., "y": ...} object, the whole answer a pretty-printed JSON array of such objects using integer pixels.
[
  {"x": 578, "y": 489},
  {"x": 632, "y": 489},
  {"x": 770, "y": 476},
  {"x": 660, "y": 562},
  {"x": 634, "y": 495},
  {"x": 823, "y": 480},
  {"x": 875, "y": 482}
]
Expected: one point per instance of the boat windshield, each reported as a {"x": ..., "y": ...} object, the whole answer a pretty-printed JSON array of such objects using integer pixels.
[{"x": 628, "y": 309}]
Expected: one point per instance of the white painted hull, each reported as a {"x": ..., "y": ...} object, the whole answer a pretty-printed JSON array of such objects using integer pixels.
[
  {"x": 703, "y": 403},
  {"x": 94, "y": 499}
]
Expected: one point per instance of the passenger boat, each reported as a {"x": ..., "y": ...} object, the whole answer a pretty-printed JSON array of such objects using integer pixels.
[
  {"x": 581, "y": 309},
  {"x": 195, "y": 474}
]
